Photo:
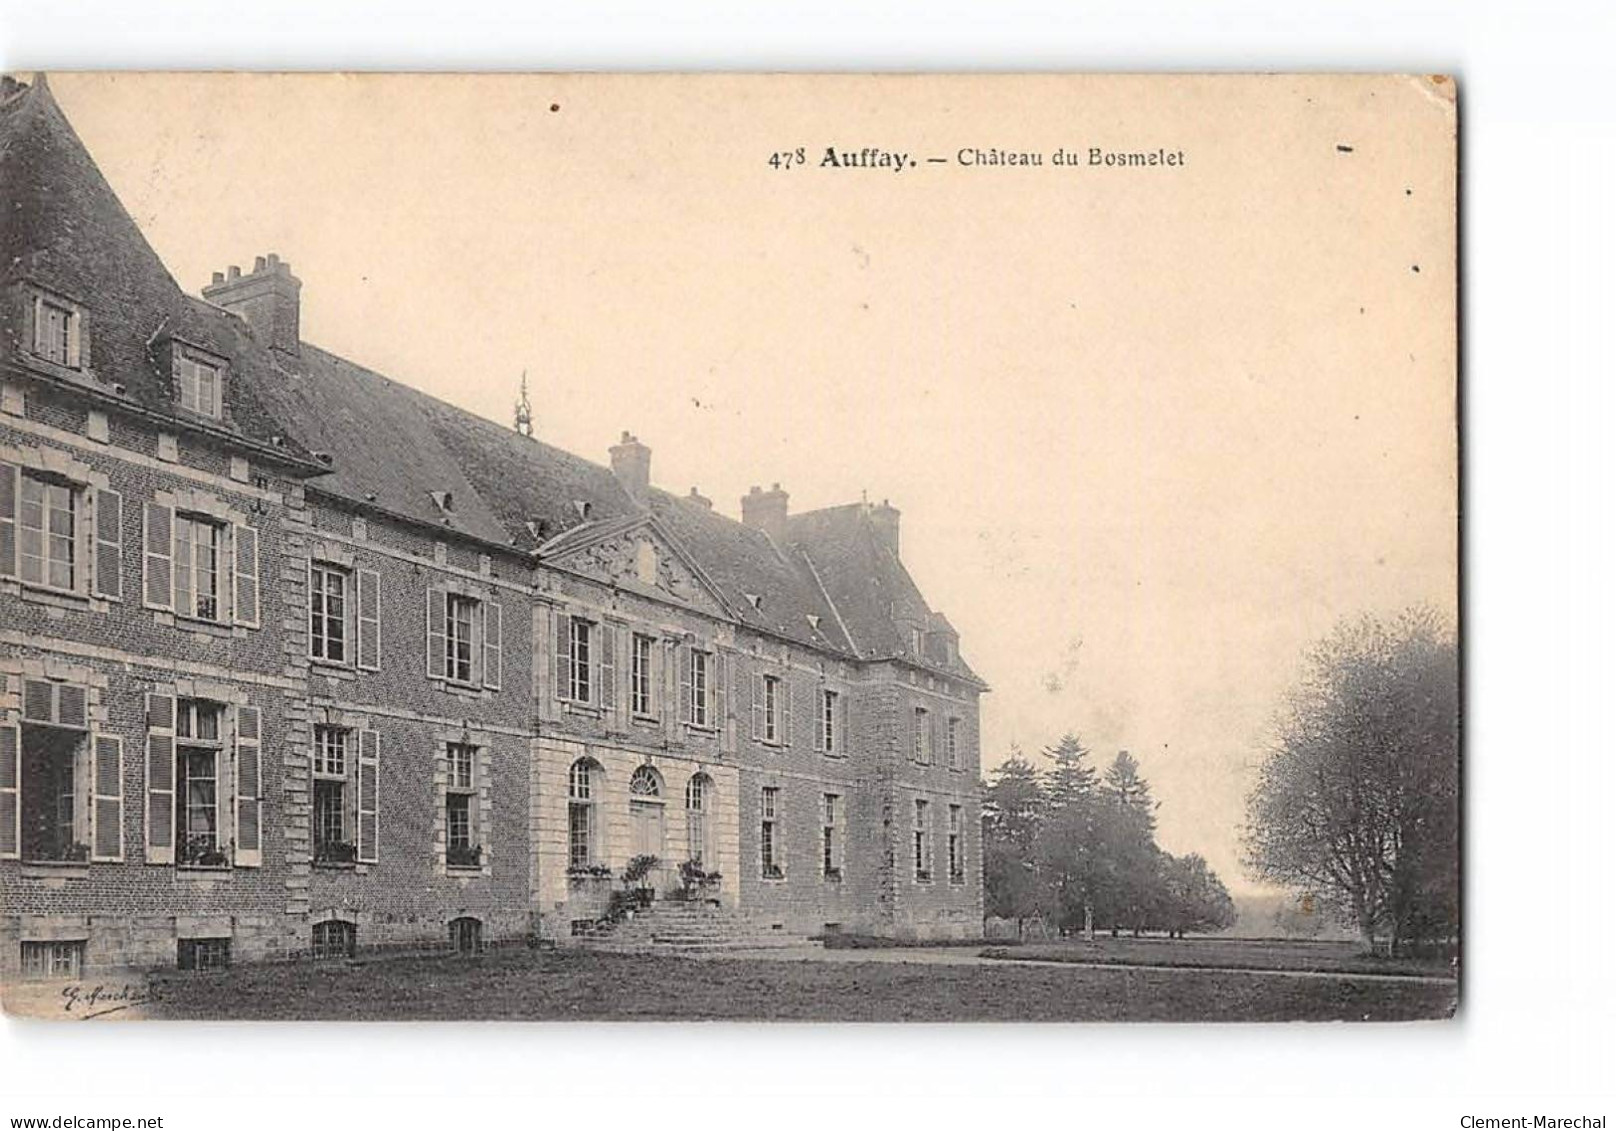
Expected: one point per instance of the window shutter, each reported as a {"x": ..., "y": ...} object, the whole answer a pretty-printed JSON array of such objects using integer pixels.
[
  {"x": 75, "y": 331},
  {"x": 785, "y": 711},
  {"x": 757, "y": 706},
  {"x": 606, "y": 684},
  {"x": 493, "y": 645},
  {"x": 109, "y": 544},
  {"x": 562, "y": 674},
  {"x": 249, "y": 788},
  {"x": 245, "y": 548},
  {"x": 686, "y": 694},
  {"x": 106, "y": 810},
  {"x": 719, "y": 680},
  {"x": 8, "y": 519},
  {"x": 159, "y": 567},
  {"x": 370, "y": 743},
  {"x": 10, "y": 795},
  {"x": 437, "y": 633},
  {"x": 819, "y": 719},
  {"x": 844, "y": 730},
  {"x": 159, "y": 779},
  {"x": 369, "y": 618}
]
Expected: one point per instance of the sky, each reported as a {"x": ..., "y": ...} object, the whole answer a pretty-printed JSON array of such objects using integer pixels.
[{"x": 1152, "y": 430}]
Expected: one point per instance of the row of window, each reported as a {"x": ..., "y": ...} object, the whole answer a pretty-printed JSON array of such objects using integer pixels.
[
  {"x": 59, "y": 534},
  {"x": 58, "y": 335},
  {"x": 833, "y": 833},
  {"x": 329, "y": 938}
]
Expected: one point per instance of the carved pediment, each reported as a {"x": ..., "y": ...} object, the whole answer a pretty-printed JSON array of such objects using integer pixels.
[{"x": 642, "y": 560}]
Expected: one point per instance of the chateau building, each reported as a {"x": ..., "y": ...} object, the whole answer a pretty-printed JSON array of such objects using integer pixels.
[{"x": 296, "y": 660}]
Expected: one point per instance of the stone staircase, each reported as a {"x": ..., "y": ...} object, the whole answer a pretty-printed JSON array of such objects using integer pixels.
[{"x": 674, "y": 926}]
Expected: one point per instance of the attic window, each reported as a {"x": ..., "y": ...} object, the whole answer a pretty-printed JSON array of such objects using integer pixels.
[
  {"x": 57, "y": 330},
  {"x": 755, "y": 600},
  {"x": 582, "y": 507},
  {"x": 199, "y": 378},
  {"x": 813, "y": 621},
  {"x": 445, "y": 501}
]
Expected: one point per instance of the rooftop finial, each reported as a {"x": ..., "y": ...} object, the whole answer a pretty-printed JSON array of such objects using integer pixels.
[{"x": 524, "y": 410}]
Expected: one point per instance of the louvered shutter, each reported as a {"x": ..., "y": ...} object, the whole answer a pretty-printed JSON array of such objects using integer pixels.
[
  {"x": 939, "y": 737},
  {"x": 686, "y": 692},
  {"x": 369, "y": 806},
  {"x": 844, "y": 728},
  {"x": 437, "y": 633},
  {"x": 785, "y": 711},
  {"x": 159, "y": 779},
  {"x": 493, "y": 645},
  {"x": 8, "y": 519},
  {"x": 720, "y": 684},
  {"x": 563, "y": 655},
  {"x": 249, "y": 788},
  {"x": 10, "y": 793},
  {"x": 109, "y": 544},
  {"x": 75, "y": 332},
  {"x": 159, "y": 563},
  {"x": 245, "y": 550},
  {"x": 72, "y": 705},
  {"x": 757, "y": 706},
  {"x": 606, "y": 684},
  {"x": 369, "y": 618},
  {"x": 819, "y": 719},
  {"x": 106, "y": 802}
]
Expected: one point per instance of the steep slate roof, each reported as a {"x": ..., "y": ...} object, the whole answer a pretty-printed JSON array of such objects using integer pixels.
[
  {"x": 867, "y": 582},
  {"x": 835, "y": 585},
  {"x": 63, "y": 228}
]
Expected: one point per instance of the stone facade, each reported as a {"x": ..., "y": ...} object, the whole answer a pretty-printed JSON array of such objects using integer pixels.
[{"x": 325, "y": 664}]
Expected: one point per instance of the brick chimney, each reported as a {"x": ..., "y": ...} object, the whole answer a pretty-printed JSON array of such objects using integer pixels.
[
  {"x": 631, "y": 463},
  {"x": 267, "y": 299},
  {"x": 885, "y": 520},
  {"x": 766, "y": 511},
  {"x": 696, "y": 498}
]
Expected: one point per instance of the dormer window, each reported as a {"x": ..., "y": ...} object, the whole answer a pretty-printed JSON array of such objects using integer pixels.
[
  {"x": 57, "y": 329},
  {"x": 200, "y": 382}
]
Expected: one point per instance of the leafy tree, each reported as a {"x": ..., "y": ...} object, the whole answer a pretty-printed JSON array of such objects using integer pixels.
[{"x": 1357, "y": 799}]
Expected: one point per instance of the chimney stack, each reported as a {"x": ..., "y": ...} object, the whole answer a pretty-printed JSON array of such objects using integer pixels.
[
  {"x": 766, "y": 511},
  {"x": 700, "y": 500},
  {"x": 631, "y": 463},
  {"x": 885, "y": 520},
  {"x": 267, "y": 299}
]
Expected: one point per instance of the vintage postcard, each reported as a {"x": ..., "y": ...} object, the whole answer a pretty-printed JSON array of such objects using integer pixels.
[{"x": 729, "y": 547}]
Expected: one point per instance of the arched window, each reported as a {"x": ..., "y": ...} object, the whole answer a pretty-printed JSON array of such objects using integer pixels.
[
  {"x": 583, "y": 834},
  {"x": 698, "y": 805},
  {"x": 645, "y": 783},
  {"x": 466, "y": 935},
  {"x": 334, "y": 938}
]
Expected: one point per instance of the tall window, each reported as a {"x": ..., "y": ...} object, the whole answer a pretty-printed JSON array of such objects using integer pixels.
[
  {"x": 53, "y": 765},
  {"x": 956, "y": 845},
  {"x": 769, "y": 846},
  {"x": 701, "y": 688},
  {"x": 333, "y": 843},
  {"x": 199, "y": 751},
  {"x": 197, "y": 545},
  {"x": 922, "y": 737},
  {"x": 199, "y": 385},
  {"x": 698, "y": 794},
  {"x": 459, "y": 641},
  {"x": 581, "y": 814},
  {"x": 328, "y": 614},
  {"x": 460, "y": 807},
  {"x": 55, "y": 327},
  {"x": 580, "y": 646},
  {"x": 830, "y": 738},
  {"x": 922, "y": 841},
  {"x": 771, "y": 708},
  {"x": 831, "y": 833},
  {"x": 952, "y": 738},
  {"x": 641, "y": 701},
  {"x": 47, "y": 549}
]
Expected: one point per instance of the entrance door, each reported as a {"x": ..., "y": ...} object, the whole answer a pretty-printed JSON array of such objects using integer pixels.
[{"x": 645, "y": 829}]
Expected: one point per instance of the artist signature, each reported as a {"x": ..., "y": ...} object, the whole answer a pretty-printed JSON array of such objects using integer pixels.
[{"x": 84, "y": 1001}]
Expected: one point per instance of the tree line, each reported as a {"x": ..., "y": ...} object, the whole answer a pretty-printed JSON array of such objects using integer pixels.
[{"x": 1078, "y": 849}]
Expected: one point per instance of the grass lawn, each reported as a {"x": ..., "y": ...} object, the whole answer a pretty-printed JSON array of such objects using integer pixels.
[
  {"x": 566, "y": 985},
  {"x": 1261, "y": 954}
]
